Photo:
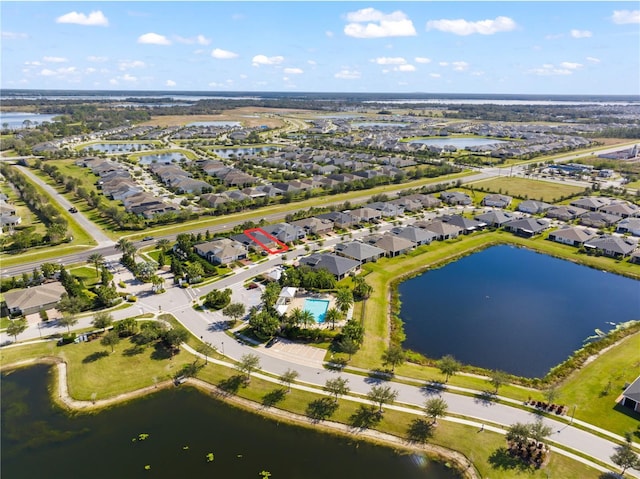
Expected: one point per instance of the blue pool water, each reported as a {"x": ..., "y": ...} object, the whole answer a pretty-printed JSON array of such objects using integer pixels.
[{"x": 317, "y": 307}]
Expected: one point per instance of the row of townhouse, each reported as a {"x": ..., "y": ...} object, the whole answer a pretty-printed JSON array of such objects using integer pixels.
[{"x": 8, "y": 217}]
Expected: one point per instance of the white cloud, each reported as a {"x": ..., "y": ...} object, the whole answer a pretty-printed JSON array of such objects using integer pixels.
[
  {"x": 405, "y": 68},
  {"x": 221, "y": 54},
  {"x": 34, "y": 63},
  {"x": 312, "y": 62},
  {"x": 90, "y": 70},
  {"x": 153, "y": 39},
  {"x": 55, "y": 59},
  {"x": 329, "y": 33},
  {"x": 113, "y": 81},
  {"x": 45, "y": 72},
  {"x": 435, "y": 75},
  {"x": 571, "y": 65},
  {"x": 443, "y": 64},
  {"x": 95, "y": 18},
  {"x": 581, "y": 33},
  {"x": 422, "y": 60},
  {"x": 464, "y": 27},
  {"x": 96, "y": 59},
  {"x": 346, "y": 74},
  {"x": 593, "y": 59},
  {"x": 389, "y": 61},
  {"x": 549, "y": 69},
  {"x": 199, "y": 40},
  {"x": 554, "y": 36},
  {"x": 265, "y": 60},
  {"x": 14, "y": 36},
  {"x": 62, "y": 71},
  {"x": 460, "y": 66},
  {"x": 372, "y": 23},
  {"x": 129, "y": 78},
  {"x": 622, "y": 17},
  {"x": 170, "y": 83},
  {"x": 293, "y": 71},
  {"x": 128, "y": 64},
  {"x": 478, "y": 73}
]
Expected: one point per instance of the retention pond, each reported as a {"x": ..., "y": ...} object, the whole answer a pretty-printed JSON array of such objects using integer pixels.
[{"x": 513, "y": 309}]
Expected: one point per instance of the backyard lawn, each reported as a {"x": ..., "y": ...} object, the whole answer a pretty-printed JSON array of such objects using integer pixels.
[{"x": 528, "y": 188}]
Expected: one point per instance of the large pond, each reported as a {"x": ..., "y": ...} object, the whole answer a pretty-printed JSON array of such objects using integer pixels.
[
  {"x": 15, "y": 120},
  {"x": 161, "y": 158},
  {"x": 459, "y": 143},
  {"x": 118, "y": 147},
  {"x": 513, "y": 309},
  {"x": 184, "y": 425}
]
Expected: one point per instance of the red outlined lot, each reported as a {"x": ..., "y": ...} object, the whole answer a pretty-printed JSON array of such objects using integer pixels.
[{"x": 250, "y": 234}]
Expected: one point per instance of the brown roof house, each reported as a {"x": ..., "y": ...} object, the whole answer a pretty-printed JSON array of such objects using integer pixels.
[{"x": 31, "y": 300}]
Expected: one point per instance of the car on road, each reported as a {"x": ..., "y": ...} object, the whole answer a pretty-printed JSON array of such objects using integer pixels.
[
  {"x": 73, "y": 209},
  {"x": 147, "y": 238}
]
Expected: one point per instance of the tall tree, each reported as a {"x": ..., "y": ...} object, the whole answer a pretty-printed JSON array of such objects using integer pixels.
[
  {"x": 102, "y": 320},
  {"x": 97, "y": 260},
  {"x": 248, "y": 363},
  {"x": 435, "y": 408},
  {"x": 361, "y": 289},
  {"x": 68, "y": 319},
  {"x": 344, "y": 299},
  {"x": 332, "y": 316},
  {"x": 270, "y": 294},
  {"x": 307, "y": 318},
  {"x": 497, "y": 379},
  {"x": 625, "y": 457},
  {"x": 393, "y": 356},
  {"x": 207, "y": 350},
  {"x": 449, "y": 366},
  {"x": 173, "y": 338},
  {"x": 336, "y": 387},
  {"x": 16, "y": 326},
  {"x": 110, "y": 339},
  {"x": 288, "y": 377},
  {"x": 348, "y": 346},
  {"x": 382, "y": 395},
  {"x": 235, "y": 311},
  {"x": 164, "y": 245}
]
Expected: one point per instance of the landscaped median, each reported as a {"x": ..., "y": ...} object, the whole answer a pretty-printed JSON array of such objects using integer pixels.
[{"x": 94, "y": 376}]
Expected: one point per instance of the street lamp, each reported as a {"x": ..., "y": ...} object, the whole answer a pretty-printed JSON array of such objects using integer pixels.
[
  {"x": 573, "y": 413},
  {"x": 40, "y": 329},
  {"x": 223, "y": 348}
]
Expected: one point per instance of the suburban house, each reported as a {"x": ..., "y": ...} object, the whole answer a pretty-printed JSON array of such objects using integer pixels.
[
  {"x": 388, "y": 210},
  {"x": 533, "y": 207},
  {"x": 221, "y": 251},
  {"x": 314, "y": 226},
  {"x": 427, "y": 201},
  {"x": 591, "y": 203},
  {"x": 467, "y": 225},
  {"x": 418, "y": 235},
  {"x": 340, "y": 219},
  {"x": 392, "y": 245},
  {"x": 629, "y": 225},
  {"x": 31, "y": 300},
  {"x": 622, "y": 209},
  {"x": 442, "y": 230},
  {"x": 285, "y": 232},
  {"x": 338, "y": 266},
  {"x": 366, "y": 215},
  {"x": 527, "y": 227},
  {"x": 250, "y": 242},
  {"x": 598, "y": 219},
  {"x": 612, "y": 246},
  {"x": 407, "y": 204},
  {"x": 495, "y": 218},
  {"x": 572, "y": 235},
  {"x": 631, "y": 396},
  {"x": 497, "y": 201},
  {"x": 8, "y": 217},
  {"x": 565, "y": 213},
  {"x": 359, "y": 251},
  {"x": 455, "y": 198}
]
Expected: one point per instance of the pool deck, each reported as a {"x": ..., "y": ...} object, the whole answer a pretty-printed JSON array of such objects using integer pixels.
[{"x": 299, "y": 300}]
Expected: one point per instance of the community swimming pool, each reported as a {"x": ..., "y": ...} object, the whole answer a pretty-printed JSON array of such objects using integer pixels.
[{"x": 317, "y": 307}]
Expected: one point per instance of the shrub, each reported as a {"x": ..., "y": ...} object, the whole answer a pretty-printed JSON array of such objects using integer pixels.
[{"x": 132, "y": 299}]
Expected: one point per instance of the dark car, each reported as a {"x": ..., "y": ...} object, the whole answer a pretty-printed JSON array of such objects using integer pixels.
[
  {"x": 147, "y": 238},
  {"x": 73, "y": 209}
]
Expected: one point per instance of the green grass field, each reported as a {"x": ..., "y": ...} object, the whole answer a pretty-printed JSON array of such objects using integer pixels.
[{"x": 528, "y": 188}]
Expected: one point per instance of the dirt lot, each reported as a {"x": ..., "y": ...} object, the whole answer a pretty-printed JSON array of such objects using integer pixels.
[{"x": 248, "y": 116}]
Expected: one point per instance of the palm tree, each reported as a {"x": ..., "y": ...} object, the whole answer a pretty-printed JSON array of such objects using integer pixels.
[
  {"x": 127, "y": 247},
  {"x": 164, "y": 245},
  {"x": 288, "y": 377},
  {"x": 435, "y": 408},
  {"x": 307, "y": 318},
  {"x": 332, "y": 315},
  {"x": 97, "y": 260},
  {"x": 344, "y": 299}
]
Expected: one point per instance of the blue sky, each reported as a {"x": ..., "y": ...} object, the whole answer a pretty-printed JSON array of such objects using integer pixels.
[{"x": 458, "y": 47}]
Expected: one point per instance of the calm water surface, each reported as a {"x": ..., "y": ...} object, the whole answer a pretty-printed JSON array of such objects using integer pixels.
[
  {"x": 41, "y": 441},
  {"x": 512, "y": 309},
  {"x": 161, "y": 158},
  {"x": 15, "y": 119},
  {"x": 118, "y": 147}
]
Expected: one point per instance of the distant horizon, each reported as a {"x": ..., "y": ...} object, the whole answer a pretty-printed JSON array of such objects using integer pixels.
[
  {"x": 544, "y": 48},
  {"x": 229, "y": 93}
]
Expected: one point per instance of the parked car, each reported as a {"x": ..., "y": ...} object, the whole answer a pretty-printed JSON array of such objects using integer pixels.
[{"x": 73, "y": 209}]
